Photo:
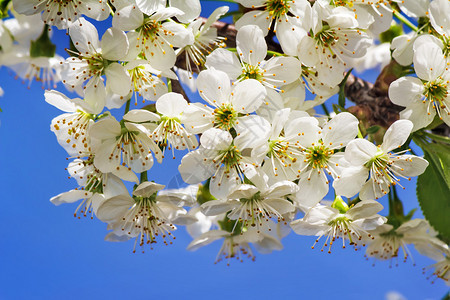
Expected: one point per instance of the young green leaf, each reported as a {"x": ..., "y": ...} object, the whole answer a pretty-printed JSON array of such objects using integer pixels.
[{"x": 433, "y": 188}]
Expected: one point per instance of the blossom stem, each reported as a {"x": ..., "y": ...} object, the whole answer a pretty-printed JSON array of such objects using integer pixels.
[
  {"x": 143, "y": 177},
  {"x": 396, "y": 214},
  {"x": 360, "y": 135},
  {"x": 169, "y": 85},
  {"x": 325, "y": 109},
  {"x": 274, "y": 53},
  {"x": 405, "y": 21},
  {"x": 127, "y": 106}
]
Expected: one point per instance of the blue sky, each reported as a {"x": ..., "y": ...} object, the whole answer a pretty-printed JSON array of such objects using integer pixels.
[{"x": 45, "y": 253}]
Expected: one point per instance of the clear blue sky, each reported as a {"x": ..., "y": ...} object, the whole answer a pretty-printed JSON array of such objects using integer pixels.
[{"x": 45, "y": 253}]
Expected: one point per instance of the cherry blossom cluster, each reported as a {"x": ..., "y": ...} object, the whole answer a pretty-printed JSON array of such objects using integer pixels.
[{"x": 257, "y": 157}]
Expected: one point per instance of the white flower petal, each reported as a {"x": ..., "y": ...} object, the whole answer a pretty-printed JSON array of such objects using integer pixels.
[
  {"x": 191, "y": 9},
  {"x": 359, "y": 151},
  {"x": 280, "y": 71},
  {"x": 340, "y": 130},
  {"x": 364, "y": 209},
  {"x": 429, "y": 62},
  {"x": 128, "y": 18},
  {"x": 214, "y": 86},
  {"x": 193, "y": 169},
  {"x": 147, "y": 188},
  {"x": 396, "y": 135},
  {"x": 225, "y": 61},
  {"x": 118, "y": 79},
  {"x": 149, "y": 7},
  {"x": 217, "y": 207},
  {"x": 351, "y": 180},
  {"x": 406, "y": 90},
  {"x": 206, "y": 239},
  {"x": 171, "y": 104},
  {"x": 409, "y": 165},
  {"x": 70, "y": 197},
  {"x": 243, "y": 191},
  {"x": 313, "y": 188},
  {"x": 282, "y": 206},
  {"x": 141, "y": 116},
  {"x": 256, "y": 17},
  {"x": 114, "y": 44},
  {"x": 216, "y": 139},
  {"x": 290, "y": 33},
  {"x": 251, "y": 45},
  {"x": 114, "y": 209},
  {"x": 304, "y": 228},
  {"x": 84, "y": 36},
  {"x": 248, "y": 95},
  {"x": 281, "y": 189},
  {"x": 251, "y": 131}
]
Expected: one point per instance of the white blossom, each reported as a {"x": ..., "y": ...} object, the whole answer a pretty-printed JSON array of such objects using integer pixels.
[
  {"x": 378, "y": 164},
  {"x": 340, "y": 221}
]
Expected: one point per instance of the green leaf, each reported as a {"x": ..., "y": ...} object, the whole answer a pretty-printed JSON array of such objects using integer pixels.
[
  {"x": 373, "y": 129},
  {"x": 433, "y": 188},
  {"x": 440, "y": 154}
]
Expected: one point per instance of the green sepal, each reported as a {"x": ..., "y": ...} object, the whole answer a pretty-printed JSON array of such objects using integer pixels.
[
  {"x": 410, "y": 214},
  {"x": 393, "y": 32},
  {"x": 235, "y": 227},
  {"x": 4, "y": 8},
  {"x": 340, "y": 205},
  {"x": 341, "y": 100},
  {"x": 43, "y": 46},
  {"x": 203, "y": 194},
  {"x": 338, "y": 108}
]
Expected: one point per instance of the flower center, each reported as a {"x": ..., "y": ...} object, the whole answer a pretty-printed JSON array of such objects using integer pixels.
[
  {"x": 348, "y": 3},
  {"x": 150, "y": 29},
  {"x": 277, "y": 8},
  {"x": 318, "y": 156},
  {"x": 326, "y": 37},
  {"x": 225, "y": 117},
  {"x": 436, "y": 91},
  {"x": 230, "y": 157},
  {"x": 251, "y": 72},
  {"x": 232, "y": 249},
  {"x": 341, "y": 227},
  {"x": 379, "y": 162},
  {"x": 168, "y": 126},
  {"x": 148, "y": 220},
  {"x": 279, "y": 149},
  {"x": 129, "y": 147},
  {"x": 253, "y": 212},
  {"x": 76, "y": 126},
  {"x": 96, "y": 64}
]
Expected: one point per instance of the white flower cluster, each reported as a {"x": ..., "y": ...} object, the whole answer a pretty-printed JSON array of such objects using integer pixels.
[{"x": 256, "y": 156}]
